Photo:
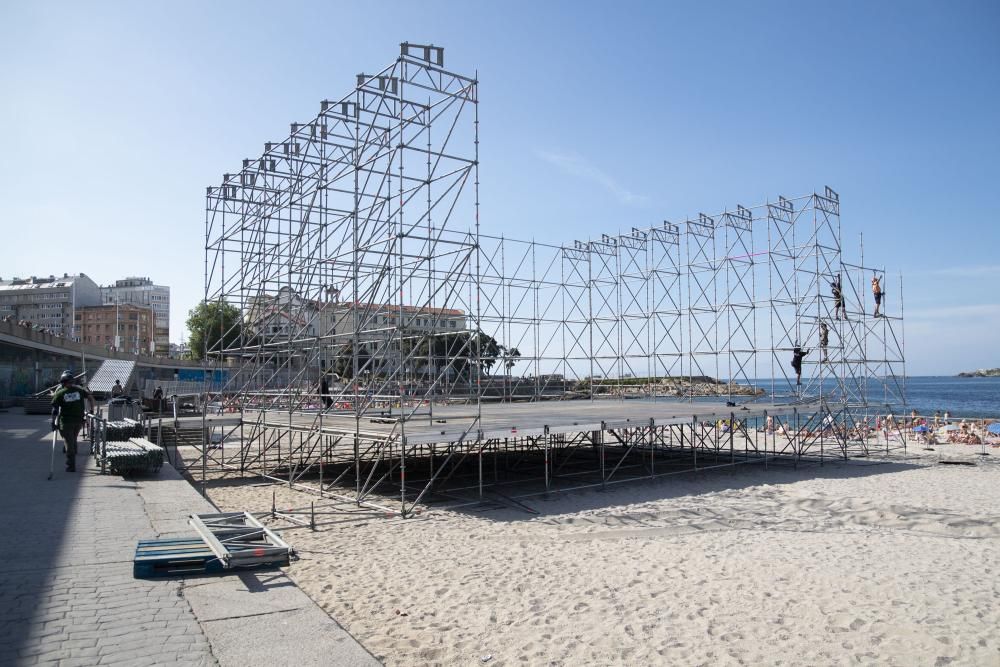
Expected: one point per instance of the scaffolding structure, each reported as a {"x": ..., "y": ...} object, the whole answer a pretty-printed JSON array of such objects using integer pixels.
[{"x": 372, "y": 336}]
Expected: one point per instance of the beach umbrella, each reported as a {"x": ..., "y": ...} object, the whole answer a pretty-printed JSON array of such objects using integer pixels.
[
  {"x": 994, "y": 428},
  {"x": 949, "y": 427},
  {"x": 921, "y": 429}
]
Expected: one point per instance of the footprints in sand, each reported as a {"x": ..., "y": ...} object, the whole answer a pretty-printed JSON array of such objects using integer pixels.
[
  {"x": 773, "y": 511},
  {"x": 845, "y": 623},
  {"x": 821, "y": 572}
]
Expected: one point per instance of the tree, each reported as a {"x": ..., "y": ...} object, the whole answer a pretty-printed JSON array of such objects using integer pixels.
[
  {"x": 344, "y": 366},
  {"x": 428, "y": 349},
  {"x": 214, "y": 326},
  {"x": 510, "y": 357},
  {"x": 489, "y": 350},
  {"x": 457, "y": 350}
]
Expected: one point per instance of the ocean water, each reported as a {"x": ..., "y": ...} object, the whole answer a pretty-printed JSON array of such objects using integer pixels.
[{"x": 962, "y": 397}]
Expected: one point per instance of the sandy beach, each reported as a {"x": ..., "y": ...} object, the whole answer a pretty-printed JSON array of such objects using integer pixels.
[{"x": 889, "y": 563}]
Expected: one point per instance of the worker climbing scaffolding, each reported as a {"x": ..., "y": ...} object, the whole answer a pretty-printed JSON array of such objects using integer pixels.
[
  {"x": 824, "y": 339},
  {"x": 797, "y": 355},
  {"x": 877, "y": 292},
  {"x": 838, "y": 298}
]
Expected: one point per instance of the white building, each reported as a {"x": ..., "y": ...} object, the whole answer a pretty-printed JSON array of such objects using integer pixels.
[
  {"x": 180, "y": 351},
  {"x": 288, "y": 318},
  {"x": 142, "y": 292},
  {"x": 48, "y": 303},
  {"x": 284, "y": 316},
  {"x": 377, "y": 328}
]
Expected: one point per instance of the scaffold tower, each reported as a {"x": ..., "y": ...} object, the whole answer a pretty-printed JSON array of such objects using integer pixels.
[{"x": 374, "y": 339}]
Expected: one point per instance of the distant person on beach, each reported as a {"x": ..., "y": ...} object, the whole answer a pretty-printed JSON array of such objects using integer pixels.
[
  {"x": 838, "y": 298},
  {"x": 877, "y": 293},
  {"x": 797, "y": 355},
  {"x": 68, "y": 414},
  {"x": 117, "y": 390},
  {"x": 937, "y": 418},
  {"x": 824, "y": 339}
]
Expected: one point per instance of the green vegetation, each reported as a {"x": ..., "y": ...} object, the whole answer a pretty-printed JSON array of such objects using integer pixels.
[
  {"x": 344, "y": 366},
  {"x": 214, "y": 326},
  {"x": 460, "y": 349}
]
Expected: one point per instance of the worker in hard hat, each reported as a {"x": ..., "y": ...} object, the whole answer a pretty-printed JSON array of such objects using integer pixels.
[{"x": 68, "y": 414}]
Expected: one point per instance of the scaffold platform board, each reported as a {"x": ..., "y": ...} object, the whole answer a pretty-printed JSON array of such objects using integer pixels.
[
  {"x": 172, "y": 557},
  {"x": 455, "y": 423},
  {"x": 225, "y": 541}
]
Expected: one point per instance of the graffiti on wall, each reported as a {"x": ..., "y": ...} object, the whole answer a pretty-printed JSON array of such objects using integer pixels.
[{"x": 15, "y": 381}]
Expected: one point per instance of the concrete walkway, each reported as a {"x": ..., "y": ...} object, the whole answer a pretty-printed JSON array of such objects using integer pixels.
[{"x": 67, "y": 595}]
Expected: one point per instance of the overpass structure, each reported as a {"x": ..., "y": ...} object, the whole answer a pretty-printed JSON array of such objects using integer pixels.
[
  {"x": 31, "y": 360},
  {"x": 374, "y": 202}
]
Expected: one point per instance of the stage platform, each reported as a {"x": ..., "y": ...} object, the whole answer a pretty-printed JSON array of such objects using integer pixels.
[{"x": 459, "y": 423}]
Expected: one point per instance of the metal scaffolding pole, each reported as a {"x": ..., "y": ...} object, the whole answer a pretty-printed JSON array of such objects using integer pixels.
[{"x": 351, "y": 256}]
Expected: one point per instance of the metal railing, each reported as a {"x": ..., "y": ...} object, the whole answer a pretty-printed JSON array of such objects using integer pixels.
[{"x": 97, "y": 429}]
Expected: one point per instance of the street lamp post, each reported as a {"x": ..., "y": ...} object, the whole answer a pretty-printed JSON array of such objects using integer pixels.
[{"x": 117, "y": 327}]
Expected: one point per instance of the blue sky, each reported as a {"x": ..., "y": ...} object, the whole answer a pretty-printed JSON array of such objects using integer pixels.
[{"x": 595, "y": 116}]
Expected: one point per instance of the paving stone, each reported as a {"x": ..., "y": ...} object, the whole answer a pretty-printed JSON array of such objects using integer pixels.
[
  {"x": 78, "y": 662},
  {"x": 55, "y": 655},
  {"x": 84, "y": 652},
  {"x": 67, "y": 595}
]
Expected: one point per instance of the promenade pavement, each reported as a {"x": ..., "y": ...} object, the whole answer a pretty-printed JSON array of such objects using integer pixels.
[{"x": 67, "y": 595}]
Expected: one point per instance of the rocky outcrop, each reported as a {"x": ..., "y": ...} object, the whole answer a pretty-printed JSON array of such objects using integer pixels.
[
  {"x": 981, "y": 373},
  {"x": 671, "y": 386}
]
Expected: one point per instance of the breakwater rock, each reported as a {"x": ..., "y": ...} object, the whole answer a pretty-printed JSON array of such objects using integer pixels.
[
  {"x": 981, "y": 373},
  {"x": 669, "y": 386}
]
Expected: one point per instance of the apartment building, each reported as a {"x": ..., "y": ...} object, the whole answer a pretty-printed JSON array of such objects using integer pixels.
[
  {"x": 126, "y": 328},
  {"x": 142, "y": 292},
  {"x": 49, "y": 303}
]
